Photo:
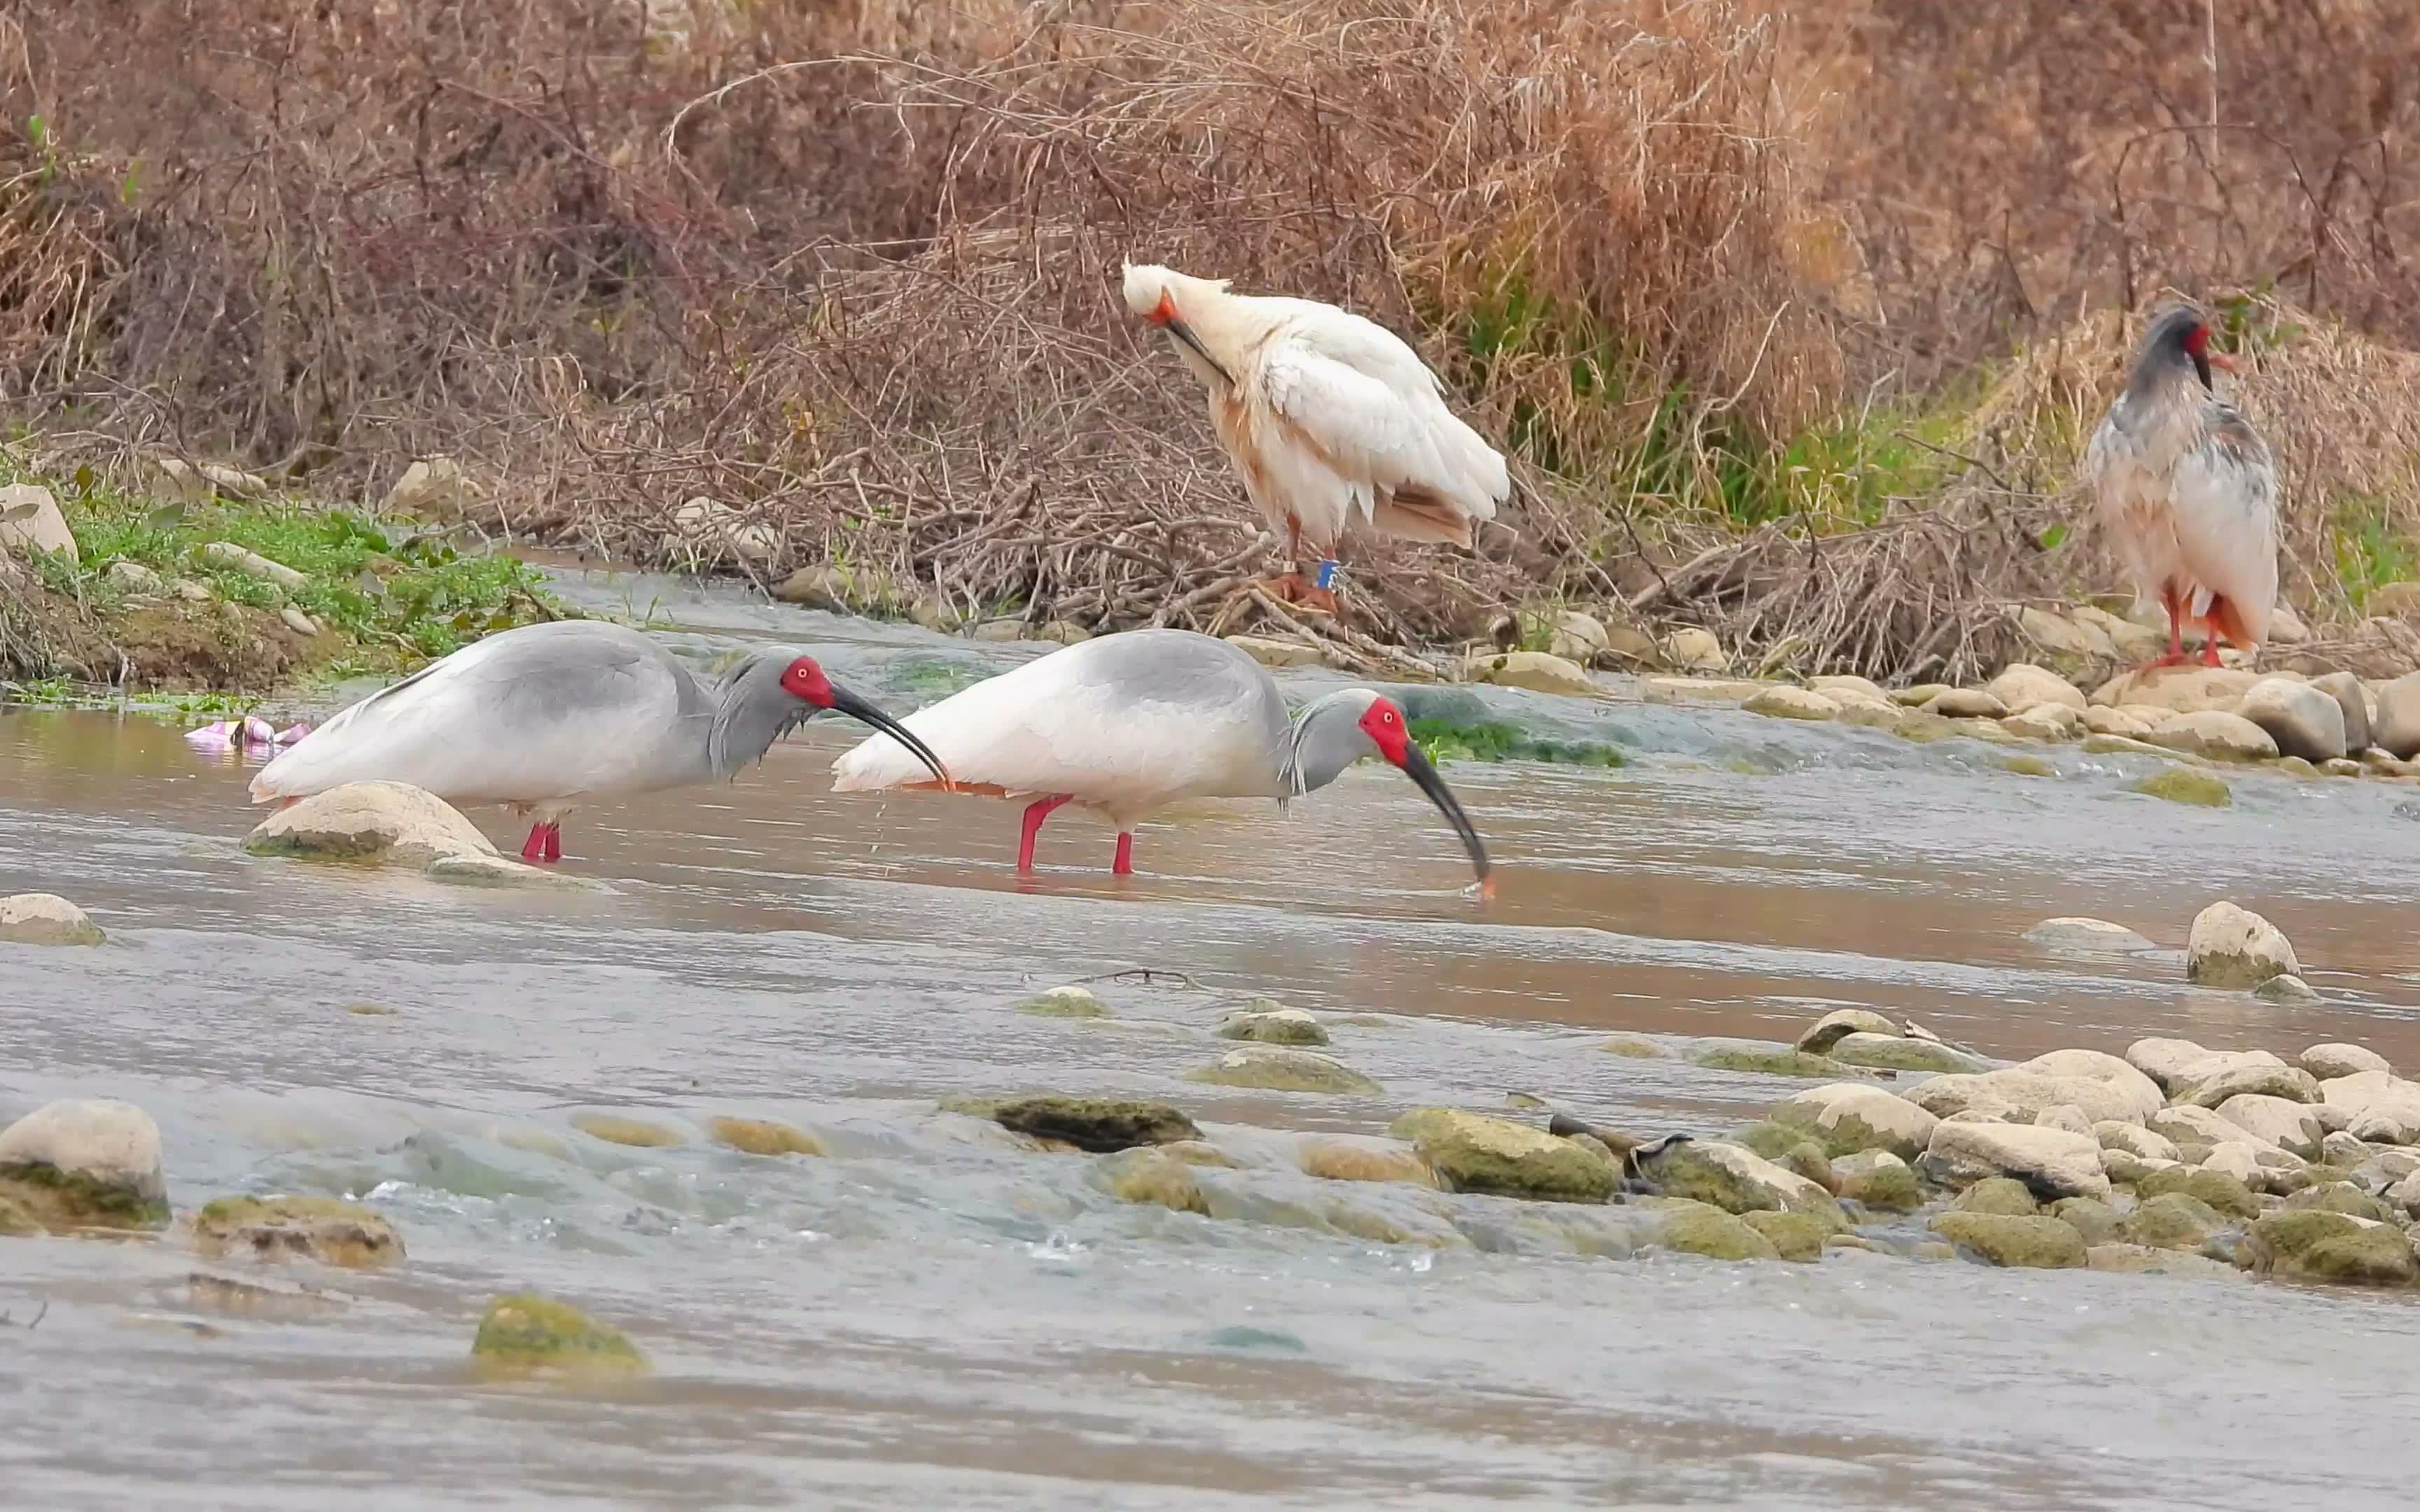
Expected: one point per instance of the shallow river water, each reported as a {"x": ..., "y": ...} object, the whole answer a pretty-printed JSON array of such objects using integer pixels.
[{"x": 932, "y": 1316}]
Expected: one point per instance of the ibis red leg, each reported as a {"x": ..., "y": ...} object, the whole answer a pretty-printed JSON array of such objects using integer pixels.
[
  {"x": 545, "y": 843},
  {"x": 1035, "y": 812},
  {"x": 2176, "y": 656},
  {"x": 1125, "y": 864},
  {"x": 554, "y": 841}
]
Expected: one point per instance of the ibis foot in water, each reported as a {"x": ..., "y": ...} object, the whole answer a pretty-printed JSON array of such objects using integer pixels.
[
  {"x": 1035, "y": 812},
  {"x": 545, "y": 843}
]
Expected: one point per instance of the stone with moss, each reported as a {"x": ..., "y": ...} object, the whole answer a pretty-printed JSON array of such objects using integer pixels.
[
  {"x": 2222, "y": 1192},
  {"x": 1281, "y": 1069},
  {"x": 1266, "y": 1022},
  {"x": 762, "y": 1136},
  {"x": 2142, "y": 1260},
  {"x": 1820, "y": 1037},
  {"x": 45, "y": 919},
  {"x": 1794, "y": 1235},
  {"x": 1473, "y": 1152},
  {"x": 2172, "y": 1220},
  {"x": 325, "y": 1230},
  {"x": 1339, "y": 1160},
  {"x": 2183, "y": 784},
  {"x": 1070, "y": 1002},
  {"x": 2096, "y": 1220},
  {"x": 526, "y": 1334},
  {"x": 1736, "y": 1179},
  {"x": 2310, "y": 1244},
  {"x": 2004, "y": 1195},
  {"x": 2027, "y": 766},
  {"x": 1697, "y": 1228},
  {"x": 1879, "y": 1180},
  {"x": 16, "y": 1222},
  {"x": 1896, "y": 1051},
  {"x": 1807, "y": 1158},
  {"x": 1200, "y": 1152},
  {"x": 1849, "y": 1117},
  {"x": 1762, "y": 1058},
  {"x": 2002, "y": 1239},
  {"x": 1148, "y": 1175},
  {"x": 2340, "y": 1196},
  {"x": 1630, "y": 1047},
  {"x": 74, "y": 1165},
  {"x": 617, "y": 1130},
  {"x": 1098, "y": 1124}
]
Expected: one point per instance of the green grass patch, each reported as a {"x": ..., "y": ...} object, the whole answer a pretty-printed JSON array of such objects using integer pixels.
[
  {"x": 1495, "y": 740},
  {"x": 2368, "y": 552}
]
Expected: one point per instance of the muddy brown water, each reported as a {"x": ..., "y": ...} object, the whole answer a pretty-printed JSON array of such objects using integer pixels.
[{"x": 929, "y": 1316}]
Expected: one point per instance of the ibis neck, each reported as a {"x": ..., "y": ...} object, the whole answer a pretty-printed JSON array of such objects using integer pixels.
[
  {"x": 751, "y": 711},
  {"x": 1324, "y": 739}
]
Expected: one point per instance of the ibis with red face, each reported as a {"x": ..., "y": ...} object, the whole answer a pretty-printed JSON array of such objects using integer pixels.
[
  {"x": 545, "y": 718},
  {"x": 1127, "y": 724}
]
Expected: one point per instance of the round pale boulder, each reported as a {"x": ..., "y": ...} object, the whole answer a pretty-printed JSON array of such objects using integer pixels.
[
  {"x": 2086, "y": 937},
  {"x": 2396, "y": 728},
  {"x": 2186, "y": 689},
  {"x": 1782, "y": 702},
  {"x": 2352, "y": 701},
  {"x": 2234, "y": 948},
  {"x": 1848, "y": 1117},
  {"x": 2022, "y": 686},
  {"x": 1839, "y": 1025},
  {"x": 86, "y": 1164},
  {"x": 1966, "y": 703},
  {"x": 391, "y": 822},
  {"x": 1537, "y": 671},
  {"x": 1473, "y": 1152},
  {"x": 2052, "y": 1163},
  {"x": 2331, "y": 1061},
  {"x": 45, "y": 919},
  {"x": 2303, "y": 720},
  {"x": 1268, "y": 1023},
  {"x": 2290, "y": 1125},
  {"x": 2216, "y": 734}
]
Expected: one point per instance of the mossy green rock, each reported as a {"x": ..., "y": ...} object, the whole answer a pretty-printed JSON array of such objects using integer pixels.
[
  {"x": 1278, "y": 1069},
  {"x": 1098, "y": 1124},
  {"x": 1266, "y": 1022},
  {"x": 2339, "y": 1196},
  {"x": 762, "y": 1136},
  {"x": 1696, "y": 1229},
  {"x": 1807, "y": 1158},
  {"x": 1472, "y": 1152},
  {"x": 63, "y": 1200},
  {"x": 1767, "y": 1138},
  {"x": 2172, "y": 1220},
  {"x": 17, "y": 1223},
  {"x": 617, "y": 1130},
  {"x": 1764, "y": 1060},
  {"x": 1736, "y": 1179},
  {"x": 1148, "y": 1175},
  {"x": 286, "y": 1228},
  {"x": 76, "y": 1164},
  {"x": 2219, "y": 1190},
  {"x": 2037, "y": 1243},
  {"x": 1065, "y": 1003},
  {"x": 527, "y": 1333},
  {"x": 2183, "y": 784},
  {"x": 1880, "y": 1179},
  {"x": 1793, "y": 1236},
  {"x": 2096, "y": 1220},
  {"x": 2310, "y": 1244},
  {"x": 2003, "y": 1195},
  {"x": 1892, "y": 1051},
  {"x": 1634, "y": 1049}
]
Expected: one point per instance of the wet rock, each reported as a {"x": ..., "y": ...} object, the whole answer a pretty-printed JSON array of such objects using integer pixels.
[
  {"x": 370, "y": 822},
  {"x": 1069, "y": 1002},
  {"x": 1998, "y": 1194},
  {"x": 2340, "y": 1196},
  {"x": 2142, "y": 1260},
  {"x": 2248, "y": 1072},
  {"x": 1537, "y": 671},
  {"x": 1147, "y": 1175},
  {"x": 2037, "y": 1243},
  {"x": 2344, "y": 767},
  {"x": 1839, "y": 1025},
  {"x": 1339, "y": 1160},
  {"x": 2221, "y": 1191},
  {"x": 1472, "y": 1152},
  {"x": 1879, "y": 1180},
  {"x": 2217, "y": 735},
  {"x": 2027, "y": 766},
  {"x": 206, "y": 1291},
  {"x": 2182, "y": 784},
  {"x": 762, "y": 1136},
  {"x": 2021, "y": 685},
  {"x": 2352, "y": 703},
  {"x": 2301, "y": 719},
  {"x": 1782, "y": 702},
  {"x": 2172, "y": 1220},
  {"x": 822, "y": 587},
  {"x": 1894, "y": 1052},
  {"x": 617, "y": 1130},
  {"x": 2276, "y": 1121},
  {"x": 2286, "y": 988},
  {"x": 1693, "y": 650},
  {"x": 289, "y": 1228},
  {"x": 1872, "y": 714},
  {"x": 2019, "y": 1095},
  {"x": 2087, "y": 938},
  {"x": 1734, "y": 1179},
  {"x": 1634, "y": 1048},
  {"x": 1792, "y": 1235},
  {"x": 1849, "y": 1117},
  {"x": 2336, "y": 1247},
  {"x": 2092, "y": 1219},
  {"x": 2232, "y": 947},
  {"x": 30, "y": 519},
  {"x": 1762, "y": 1058},
  {"x": 1098, "y": 1124},
  {"x": 2186, "y": 689},
  {"x": 1700, "y": 1228},
  {"x": 1267, "y": 1022},
  {"x": 2052, "y": 1163},
  {"x": 2396, "y": 728},
  {"x": 530, "y": 1334},
  {"x": 2374, "y": 1106},
  {"x": 45, "y": 919},
  {"x": 2329, "y": 1062},
  {"x": 1698, "y": 690},
  {"x": 2133, "y": 1140},
  {"x": 1916, "y": 695},
  {"x": 497, "y": 872},
  {"x": 1966, "y": 703},
  {"x": 85, "y": 1164},
  {"x": 1200, "y": 1152},
  {"x": 1277, "y": 1069}
]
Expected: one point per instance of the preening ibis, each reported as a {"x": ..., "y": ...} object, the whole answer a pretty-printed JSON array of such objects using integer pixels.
[
  {"x": 1326, "y": 417},
  {"x": 1129, "y": 723},
  {"x": 547, "y": 716},
  {"x": 2186, "y": 489}
]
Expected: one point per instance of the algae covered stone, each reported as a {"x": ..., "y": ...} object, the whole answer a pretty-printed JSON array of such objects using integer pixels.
[
  {"x": 1268, "y": 1023},
  {"x": 1736, "y": 1179},
  {"x": 1839, "y": 1025},
  {"x": 1757, "y": 1056},
  {"x": 2097, "y": 1221},
  {"x": 2311, "y": 1244},
  {"x": 617, "y": 1130},
  {"x": 325, "y": 1230},
  {"x": 1339, "y": 1160},
  {"x": 1281, "y": 1069},
  {"x": 528, "y": 1334},
  {"x": 1895, "y": 1052},
  {"x": 1070, "y": 1002},
  {"x": 18, "y": 1223},
  {"x": 762, "y": 1136},
  {"x": 2180, "y": 784},
  {"x": 370, "y": 822},
  {"x": 2004, "y": 1195},
  {"x": 45, "y": 919},
  {"x": 1147, "y": 1175},
  {"x": 2036, "y": 1243},
  {"x": 1473, "y": 1152},
  {"x": 2222, "y": 1192},
  {"x": 2232, "y": 947},
  {"x": 2172, "y": 1220},
  {"x": 1698, "y": 1228},
  {"x": 1098, "y": 1124},
  {"x": 1848, "y": 1117},
  {"x": 86, "y": 1164},
  {"x": 1879, "y": 1180},
  {"x": 1793, "y": 1236}
]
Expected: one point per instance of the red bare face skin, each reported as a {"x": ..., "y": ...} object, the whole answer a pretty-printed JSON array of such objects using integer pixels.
[
  {"x": 2197, "y": 343},
  {"x": 1164, "y": 313},
  {"x": 804, "y": 679},
  {"x": 1384, "y": 724}
]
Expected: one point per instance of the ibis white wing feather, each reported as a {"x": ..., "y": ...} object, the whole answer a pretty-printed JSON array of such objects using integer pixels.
[{"x": 2226, "y": 521}]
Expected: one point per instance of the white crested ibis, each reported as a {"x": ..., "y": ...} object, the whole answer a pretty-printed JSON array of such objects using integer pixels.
[
  {"x": 547, "y": 716},
  {"x": 1130, "y": 723},
  {"x": 1327, "y": 417},
  {"x": 2187, "y": 491}
]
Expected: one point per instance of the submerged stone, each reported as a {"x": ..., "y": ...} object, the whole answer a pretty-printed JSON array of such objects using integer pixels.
[
  {"x": 85, "y": 1164},
  {"x": 2037, "y": 1243},
  {"x": 1150, "y": 1176},
  {"x": 615, "y": 1130},
  {"x": 1793, "y": 1236},
  {"x": 1069, "y": 1002},
  {"x": 1698, "y": 1228},
  {"x": 1472, "y": 1152},
  {"x": 325, "y": 1230},
  {"x": 1998, "y": 1194},
  {"x": 1736, "y": 1180},
  {"x": 2314, "y": 1245},
  {"x": 2142, "y": 1260},
  {"x": 2183, "y": 784},
  {"x": 528, "y": 1334},
  {"x": 1098, "y": 1124},
  {"x": 1268, "y": 1023},
  {"x": 1336, "y": 1160},
  {"x": 762, "y": 1136},
  {"x": 1279, "y": 1069},
  {"x": 45, "y": 919},
  {"x": 1899, "y": 1053},
  {"x": 1764, "y": 1059},
  {"x": 1635, "y": 1049}
]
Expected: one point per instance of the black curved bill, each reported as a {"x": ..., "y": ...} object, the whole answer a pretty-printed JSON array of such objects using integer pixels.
[
  {"x": 857, "y": 708},
  {"x": 1416, "y": 767},
  {"x": 1184, "y": 334}
]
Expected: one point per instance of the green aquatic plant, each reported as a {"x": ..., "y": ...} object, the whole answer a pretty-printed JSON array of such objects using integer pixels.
[{"x": 1497, "y": 740}]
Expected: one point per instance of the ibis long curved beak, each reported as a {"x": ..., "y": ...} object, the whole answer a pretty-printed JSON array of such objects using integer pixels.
[
  {"x": 857, "y": 708},
  {"x": 1184, "y": 333},
  {"x": 1416, "y": 767}
]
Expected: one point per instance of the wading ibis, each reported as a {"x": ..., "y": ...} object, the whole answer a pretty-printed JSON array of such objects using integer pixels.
[
  {"x": 2187, "y": 491},
  {"x": 547, "y": 716},
  {"x": 1129, "y": 723},
  {"x": 1327, "y": 417}
]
